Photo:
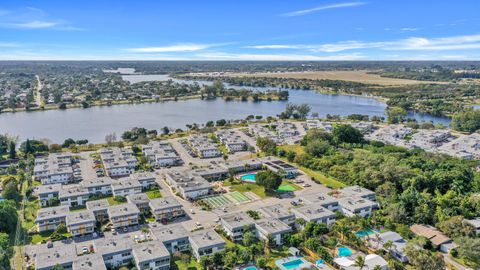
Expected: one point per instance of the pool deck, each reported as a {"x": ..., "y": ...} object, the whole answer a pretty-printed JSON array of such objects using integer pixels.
[{"x": 280, "y": 263}]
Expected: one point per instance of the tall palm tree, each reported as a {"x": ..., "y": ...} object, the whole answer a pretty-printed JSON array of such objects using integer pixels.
[{"x": 360, "y": 262}]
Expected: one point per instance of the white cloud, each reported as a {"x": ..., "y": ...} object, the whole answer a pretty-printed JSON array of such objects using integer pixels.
[
  {"x": 409, "y": 29},
  {"x": 30, "y": 25},
  {"x": 277, "y": 57},
  {"x": 465, "y": 42},
  {"x": 172, "y": 48},
  {"x": 325, "y": 7}
]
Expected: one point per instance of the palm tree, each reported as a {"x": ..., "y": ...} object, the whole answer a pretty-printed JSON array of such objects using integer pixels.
[{"x": 360, "y": 262}]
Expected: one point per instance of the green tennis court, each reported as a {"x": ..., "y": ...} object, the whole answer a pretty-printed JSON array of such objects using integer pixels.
[
  {"x": 239, "y": 197},
  {"x": 286, "y": 188},
  {"x": 218, "y": 201}
]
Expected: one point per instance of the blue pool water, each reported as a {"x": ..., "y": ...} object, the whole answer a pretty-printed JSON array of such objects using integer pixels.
[
  {"x": 251, "y": 268},
  {"x": 251, "y": 177},
  {"x": 293, "y": 264},
  {"x": 365, "y": 233},
  {"x": 344, "y": 251}
]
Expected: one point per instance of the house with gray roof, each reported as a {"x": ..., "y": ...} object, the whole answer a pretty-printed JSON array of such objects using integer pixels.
[
  {"x": 73, "y": 195},
  {"x": 327, "y": 201},
  {"x": 271, "y": 228},
  {"x": 166, "y": 208},
  {"x": 351, "y": 206},
  {"x": 46, "y": 193},
  {"x": 99, "y": 209},
  {"x": 173, "y": 236},
  {"x": 358, "y": 191},
  {"x": 146, "y": 179},
  {"x": 49, "y": 218},
  {"x": 151, "y": 255},
  {"x": 206, "y": 242},
  {"x": 126, "y": 186},
  {"x": 141, "y": 200},
  {"x": 93, "y": 261},
  {"x": 188, "y": 185},
  {"x": 235, "y": 224},
  {"x": 81, "y": 223},
  {"x": 124, "y": 215},
  {"x": 278, "y": 211},
  {"x": 315, "y": 213},
  {"x": 98, "y": 186}
]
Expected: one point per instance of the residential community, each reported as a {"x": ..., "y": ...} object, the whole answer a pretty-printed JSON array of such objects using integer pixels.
[{"x": 99, "y": 209}]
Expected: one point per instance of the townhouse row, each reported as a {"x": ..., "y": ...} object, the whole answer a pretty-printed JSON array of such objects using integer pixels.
[
  {"x": 276, "y": 221},
  {"x": 54, "y": 169},
  {"x": 100, "y": 211},
  {"x": 152, "y": 250},
  {"x": 161, "y": 154},
  {"x": 118, "y": 162},
  {"x": 203, "y": 146},
  {"x": 78, "y": 194}
]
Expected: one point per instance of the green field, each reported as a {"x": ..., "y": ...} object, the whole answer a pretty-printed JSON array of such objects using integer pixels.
[
  {"x": 286, "y": 188},
  {"x": 153, "y": 194},
  {"x": 226, "y": 199}
]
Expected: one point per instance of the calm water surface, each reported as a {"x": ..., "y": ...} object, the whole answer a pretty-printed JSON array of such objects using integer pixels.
[{"x": 96, "y": 122}]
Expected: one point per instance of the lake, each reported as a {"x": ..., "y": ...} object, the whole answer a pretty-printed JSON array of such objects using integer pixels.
[{"x": 96, "y": 122}]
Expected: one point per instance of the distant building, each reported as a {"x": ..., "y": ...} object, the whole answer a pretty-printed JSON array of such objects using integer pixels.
[
  {"x": 81, "y": 223},
  {"x": 49, "y": 218},
  {"x": 123, "y": 215},
  {"x": 437, "y": 238},
  {"x": 235, "y": 224},
  {"x": 166, "y": 209}
]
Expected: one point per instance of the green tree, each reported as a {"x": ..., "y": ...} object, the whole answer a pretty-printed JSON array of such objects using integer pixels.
[
  {"x": 346, "y": 134},
  {"x": 6, "y": 251},
  {"x": 360, "y": 262},
  {"x": 269, "y": 180},
  {"x": 470, "y": 249},
  {"x": 266, "y": 145},
  {"x": 423, "y": 259},
  {"x": 396, "y": 115},
  {"x": 8, "y": 217},
  {"x": 10, "y": 192},
  {"x": 466, "y": 120},
  {"x": 12, "y": 151},
  {"x": 317, "y": 148}
]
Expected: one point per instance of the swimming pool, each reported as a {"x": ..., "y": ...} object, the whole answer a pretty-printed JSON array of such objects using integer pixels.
[
  {"x": 362, "y": 234},
  {"x": 250, "y": 268},
  {"x": 250, "y": 177},
  {"x": 293, "y": 264},
  {"x": 344, "y": 251}
]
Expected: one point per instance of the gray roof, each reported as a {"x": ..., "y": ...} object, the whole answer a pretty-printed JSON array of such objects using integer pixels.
[
  {"x": 276, "y": 211},
  {"x": 356, "y": 191},
  {"x": 205, "y": 238},
  {"x": 312, "y": 212},
  {"x": 236, "y": 220},
  {"x": 164, "y": 203},
  {"x": 320, "y": 198},
  {"x": 97, "y": 182},
  {"x": 89, "y": 262},
  {"x": 356, "y": 203},
  {"x": 271, "y": 226},
  {"x": 143, "y": 176},
  {"x": 147, "y": 251},
  {"x": 98, "y": 205},
  {"x": 114, "y": 244},
  {"x": 60, "y": 253},
  {"x": 123, "y": 210},
  {"x": 140, "y": 198},
  {"x": 52, "y": 212},
  {"x": 125, "y": 183},
  {"x": 47, "y": 189},
  {"x": 73, "y": 191},
  {"x": 169, "y": 232},
  {"x": 80, "y": 217}
]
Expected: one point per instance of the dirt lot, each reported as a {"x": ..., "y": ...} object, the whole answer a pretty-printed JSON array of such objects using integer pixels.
[{"x": 355, "y": 76}]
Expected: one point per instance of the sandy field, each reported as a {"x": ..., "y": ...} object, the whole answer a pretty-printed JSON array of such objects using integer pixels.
[{"x": 355, "y": 76}]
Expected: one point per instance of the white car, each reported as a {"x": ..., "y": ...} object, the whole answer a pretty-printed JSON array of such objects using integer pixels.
[{"x": 192, "y": 211}]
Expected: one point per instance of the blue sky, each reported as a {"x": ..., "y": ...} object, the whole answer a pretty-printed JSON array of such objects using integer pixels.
[{"x": 240, "y": 30}]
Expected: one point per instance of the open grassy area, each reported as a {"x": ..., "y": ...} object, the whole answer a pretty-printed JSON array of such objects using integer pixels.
[
  {"x": 328, "y": 181},
  {"x": 112, "y": 201},
  {"x": 191, "y": 265},
  {"x": 153, "y": 194},
  {"x": 246, "y": 187},
  {"x": 361, "y": 76}
]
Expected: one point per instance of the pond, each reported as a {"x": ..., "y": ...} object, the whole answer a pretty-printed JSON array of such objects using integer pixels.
[{"x": 96, "y": 122}]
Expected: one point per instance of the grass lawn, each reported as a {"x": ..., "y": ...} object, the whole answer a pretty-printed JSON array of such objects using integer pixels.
[
  {"x": 246, "y": 187},
  {"x": 153, "y": 194},
  {"x": 111, "y": 201},
  {"x": 328, "y": 181},
  {"x": 39, "y": 237},
  {"x": 192, "y": 265},
  {"x": 287, "y": 186}
]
